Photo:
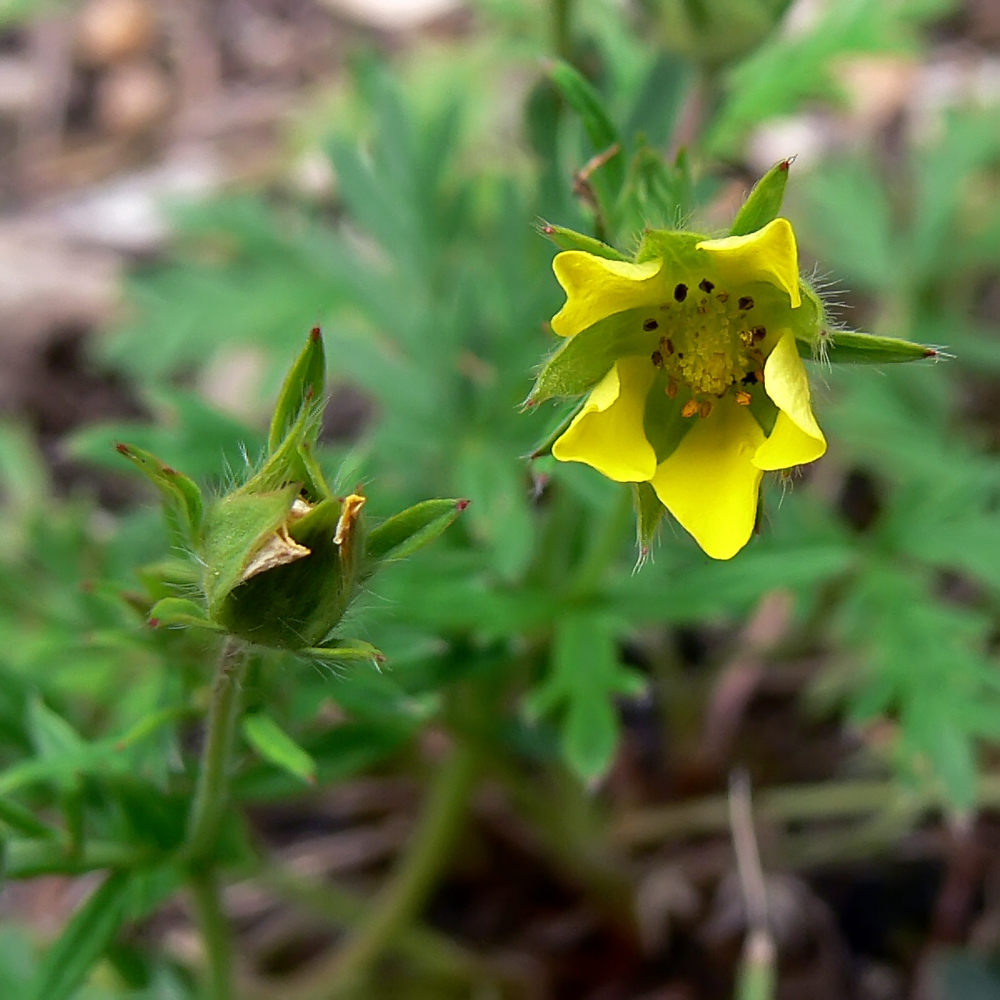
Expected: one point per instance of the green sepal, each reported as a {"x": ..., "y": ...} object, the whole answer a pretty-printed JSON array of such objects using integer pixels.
[
  {"x": 236, "y": 527},
  {"x": 583, "y": 360},
  {"x": 558, "y": 428},
  {"x": 285, "y": 464},
  {"x": 182, "y": 497},
  {"x": 346, "y": 651},
  {"x": 848, "y": 347},
  {"x": 410, "y": 529},
  {"x": 178, "y": 611},
  {"x": 296, "y": 605},
  {"x": 764, "y": 202},
  {"x": 649, "y": 513},
  {"x": 304, "y": 384},
  {"x": 275, "y": 745},
  {"x": 568, "y": 239}
]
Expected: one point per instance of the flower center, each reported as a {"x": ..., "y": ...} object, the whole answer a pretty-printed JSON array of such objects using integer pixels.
[{"x": 708, "y": 342}]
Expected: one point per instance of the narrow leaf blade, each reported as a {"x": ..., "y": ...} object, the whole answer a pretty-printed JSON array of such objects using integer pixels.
[
  {"x": 276, "y": 746},
  {"x": 89, "y": 932}
]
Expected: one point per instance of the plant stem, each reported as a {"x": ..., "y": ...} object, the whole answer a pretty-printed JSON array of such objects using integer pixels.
[
  {"x": 212, "y": 793},
  {"x": 207, "y": 899},
  {"x": 211, "y": 799},
  {"x": 561, "y": 38}
]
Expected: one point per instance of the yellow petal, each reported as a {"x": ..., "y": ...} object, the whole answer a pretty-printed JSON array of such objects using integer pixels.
[
  {"x": 796, "y": 438},
  {"x": 769, "y": 254},
  {"x": 608, "y": 432},
  {"x": 597, "y": 288},
  {"x": 710, "y": 483}
]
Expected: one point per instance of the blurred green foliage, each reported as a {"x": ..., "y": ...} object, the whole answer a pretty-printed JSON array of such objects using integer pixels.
[{"x": 433, "y": 288}]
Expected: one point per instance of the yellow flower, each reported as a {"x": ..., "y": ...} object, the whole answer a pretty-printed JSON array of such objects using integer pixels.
[{"x": 705, "y": 390}]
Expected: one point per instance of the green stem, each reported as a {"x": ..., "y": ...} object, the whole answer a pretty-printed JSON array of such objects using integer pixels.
[
  {"x": 561, "y": 38},
  {"x": 207, "y": 899},
  {"x": 211, "y": 800},
  {"x": 405, "y": 892},
  {"x": 212, "y": 794}
]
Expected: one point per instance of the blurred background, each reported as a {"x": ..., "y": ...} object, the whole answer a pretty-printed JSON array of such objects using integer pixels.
[{"x": 187, "y": 187}]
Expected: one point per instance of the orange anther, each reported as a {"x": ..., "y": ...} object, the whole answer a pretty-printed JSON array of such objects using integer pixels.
[
  {"x": 704, "y": 408},
  {"x": 743, "y": 398}
]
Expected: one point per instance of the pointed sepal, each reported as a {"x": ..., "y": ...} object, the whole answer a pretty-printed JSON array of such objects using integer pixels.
[
  {"x": 303, "y": 386},
  {"x": 182, "y": 498},
  {"x": 179, "y": 611},
  {"x": 410, "y": 529},
  {"x": 849, "y": 347},
  {"x": 569, "y": 239},
  {"x": 649, "y": 513},
  {"x": 763, "y": 204}
]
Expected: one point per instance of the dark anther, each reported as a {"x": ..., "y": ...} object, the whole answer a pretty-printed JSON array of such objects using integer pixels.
[
  {"x": 666, "y": 343},
  {"x": 681, "y": 356},
  {"x": 759, "y": 333},
  {"x": 723, "y": 296},
  {"x": 681, "y": 292},
  {"x": 705, "y": 285},
  {"x": 746, "y": 302},
  {"x": 749, "y": 379},
  {"x": 650, "y": 324},
  {"x": 657, "y": 359}
]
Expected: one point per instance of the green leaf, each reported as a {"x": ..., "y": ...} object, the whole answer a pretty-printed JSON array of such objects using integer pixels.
[
  {"x": 608, "y": 178},
  {"x": 91, "y": 929},
  {"x": 275, "y": 745},
  {"x": 405, "y": 532},
  {"x": 178, "y": 611},
  {"x": 567, "y": 239},
  {"x": 587, "y": 103},
  {"x": 51, "y": 734},
  {"x": 305, "y": 383},
  {"x": 764, "y": 202},
  {"x": 584, "y": 678},
  {"x": 848, "y": 347},
  {"x": 500, "y": 516},
  {"x": 184, "y": 504}
]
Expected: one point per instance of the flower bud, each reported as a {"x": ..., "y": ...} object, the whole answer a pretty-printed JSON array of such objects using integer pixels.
[{"x": 281, "y": 557}]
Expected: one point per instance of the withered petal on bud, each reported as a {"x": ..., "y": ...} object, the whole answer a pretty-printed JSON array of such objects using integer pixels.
[
  {"x": 348, "y": 517},
  {"x": 279, "y": 550}
]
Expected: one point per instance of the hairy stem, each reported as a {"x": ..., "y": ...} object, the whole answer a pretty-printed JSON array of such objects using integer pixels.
[
  {"x": 212, "y": 793},
  {"x": 211, "y": 800}
]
